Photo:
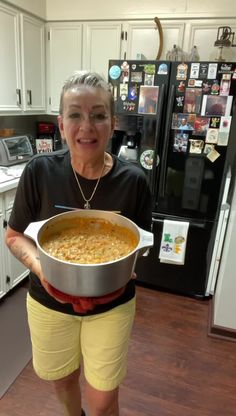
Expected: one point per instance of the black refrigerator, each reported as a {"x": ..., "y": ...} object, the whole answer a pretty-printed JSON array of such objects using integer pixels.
[{"x": 177, "y": 121}]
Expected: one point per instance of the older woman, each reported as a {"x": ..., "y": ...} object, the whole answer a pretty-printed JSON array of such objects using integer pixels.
[{"x": 83, "y": 176}]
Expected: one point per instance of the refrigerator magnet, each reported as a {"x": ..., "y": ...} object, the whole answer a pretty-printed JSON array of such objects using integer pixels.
[
  {"x": 196, "y": 146},
  {"x": 216, "y": 105},
  {"x": 201, "y": 125},
  {"x": 213, "y": 155},
  {"x": 212, "y": 136},
  {"x": 123, "y": 91},
  {"x": 149, "y": 79},
  {"x": 133, "y": 92},
  {"x": 180, "y": 142},
  {"x": 214, "y": 122},
  {"x": 203, "y": 70},
  {"x": 212, "y": 71},
  {"x": 150, "y": 69},
  {"x": 179, "y": 103},
  {"x": 182, "y": 70},
  {"x": 136, "y": 76},
  {"x": 148, "y": 99},
  {"x": 215, "y": 88},
  {"x": 194, "y": 70},
  {"x": 163, "y": 69},
  {"x": 192, "y": 100},
  {"x": 114, "y": 72},
  {"x": 146, "y": 159},
  {"x": 208, "y": 148},
  {"x": 225, "y": 84},
  {"x": 124, "y": 72},
  {"x": 181, "y": 87},
  {"x": 224, "y": 130}
]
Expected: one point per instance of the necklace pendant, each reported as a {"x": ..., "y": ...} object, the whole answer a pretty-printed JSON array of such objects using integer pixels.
[{"x": 87, "y": 205}]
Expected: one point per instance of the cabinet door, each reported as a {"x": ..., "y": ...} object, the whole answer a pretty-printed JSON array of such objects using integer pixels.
[
  {"x": 64, "y": 56},
  {"x": 33, "y": 63},
  {"x": 203, "y": 34},
  {"x": 102, "y": 41},
  {"x": 10, "y": 81},
  {"x": 143, "y": 38},
  {"x": 15, "y": 271}
]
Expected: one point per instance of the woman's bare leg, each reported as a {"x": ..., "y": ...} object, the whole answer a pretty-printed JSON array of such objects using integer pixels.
[
  {"x": 68, "y": 393},
  {"x": 102, "y": 403}
]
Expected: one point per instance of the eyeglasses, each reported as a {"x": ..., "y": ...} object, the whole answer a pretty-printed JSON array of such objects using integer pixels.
[{"x": 93, "y": 118}]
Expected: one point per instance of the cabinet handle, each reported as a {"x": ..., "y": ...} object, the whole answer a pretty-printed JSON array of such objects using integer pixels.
[
  {"x": 29, "y": 93},
  {"x": 18, "y": 93},
  {"x": 122, "y": 35},
  {"x": 8, "y": 279},
  {"x": 126, "y": 35}
]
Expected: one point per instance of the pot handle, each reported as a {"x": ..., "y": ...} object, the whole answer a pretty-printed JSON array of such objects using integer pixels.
[
  {"x": 33, "y": 228},
  {"x": 146, "y": 239}
]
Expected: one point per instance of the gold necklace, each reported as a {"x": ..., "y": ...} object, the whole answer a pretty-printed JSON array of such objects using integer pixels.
[{"x": 87, "y": 201}]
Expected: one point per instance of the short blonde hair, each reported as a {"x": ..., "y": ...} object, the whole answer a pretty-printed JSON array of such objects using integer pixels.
[{"x": 88, "y": 78}]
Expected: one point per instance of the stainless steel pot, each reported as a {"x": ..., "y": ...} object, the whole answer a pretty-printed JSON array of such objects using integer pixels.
[{"x": 87, "y": 279}]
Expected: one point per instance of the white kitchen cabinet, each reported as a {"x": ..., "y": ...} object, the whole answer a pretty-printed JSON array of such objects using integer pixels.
[
  {"x": 101, "y": 41},
  {"x": 11, "y": 270},
  {"x": 142, "y": 38},
  {"x": 10, "y": 75},
  {"x": 33, "y": 64},
  {"x": 203, "y": 34},
  {"x": 22, "y": 69},
  {"x": 64, "y": 56}
]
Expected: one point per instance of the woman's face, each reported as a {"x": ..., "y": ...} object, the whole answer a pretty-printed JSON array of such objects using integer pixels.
[{"x": 86, "y": 123}]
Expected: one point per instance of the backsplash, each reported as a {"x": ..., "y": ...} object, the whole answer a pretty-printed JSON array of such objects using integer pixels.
[{"x": 25, "y": 124}]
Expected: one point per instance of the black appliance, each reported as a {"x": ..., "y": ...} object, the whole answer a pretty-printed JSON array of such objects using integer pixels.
[
  {"x": 177, "y": 121},
  {"x": 48, "y": 137}
]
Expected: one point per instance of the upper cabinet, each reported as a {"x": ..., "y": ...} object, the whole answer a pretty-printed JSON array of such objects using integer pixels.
[
  {"x": 22, "y": 69},
  {"x": 10, "y": 77},
  {"x": 33, "y": 64},
  {"x": 64, "y": 56},
  {"x": 101, "y": 41},
  {"x": 90, "y": 45},
  {"x": 142, "y": 38}
]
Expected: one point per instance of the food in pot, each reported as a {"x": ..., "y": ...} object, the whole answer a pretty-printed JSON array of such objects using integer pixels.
[{"x": 89, "y": 241}]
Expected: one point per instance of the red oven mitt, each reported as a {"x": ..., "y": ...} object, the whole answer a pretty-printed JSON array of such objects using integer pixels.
[{"x": 83, "y": 304}]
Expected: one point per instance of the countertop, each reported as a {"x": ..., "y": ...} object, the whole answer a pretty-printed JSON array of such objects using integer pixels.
[{"x": 9, "y": 176}]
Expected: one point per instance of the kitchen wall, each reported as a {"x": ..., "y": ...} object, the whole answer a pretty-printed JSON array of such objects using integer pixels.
[
  {"x": 225, "y": 293},
  {"x": 26, "y": 124},
  {"x": 137, "y": 9},
  {"x": 36, "y": 7}
]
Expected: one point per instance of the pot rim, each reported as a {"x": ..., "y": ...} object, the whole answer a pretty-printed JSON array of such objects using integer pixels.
[{"x": 72, "y": 213}]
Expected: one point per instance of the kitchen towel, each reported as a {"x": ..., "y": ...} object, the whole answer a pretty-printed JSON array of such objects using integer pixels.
[{"x": 173, "y": 242}]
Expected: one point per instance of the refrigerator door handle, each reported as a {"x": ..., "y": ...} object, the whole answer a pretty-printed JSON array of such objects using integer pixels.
[
  {"x": 156, "y": 157},
  {"x": 163, "y": 161}
]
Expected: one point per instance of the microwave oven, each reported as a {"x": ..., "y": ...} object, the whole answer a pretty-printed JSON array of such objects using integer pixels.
[{"x": 14, "y": 150}]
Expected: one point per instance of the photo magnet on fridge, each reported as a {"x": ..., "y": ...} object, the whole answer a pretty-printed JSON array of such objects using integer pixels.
[
  {"x": 148, "y": 99},
  {"x": 224, "y": 130},
  {"x": 213, "y": 155},
  {"x": 212, "y": 136}
]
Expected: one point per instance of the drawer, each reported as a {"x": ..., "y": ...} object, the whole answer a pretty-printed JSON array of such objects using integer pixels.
[{"x": 9, "y": 198}]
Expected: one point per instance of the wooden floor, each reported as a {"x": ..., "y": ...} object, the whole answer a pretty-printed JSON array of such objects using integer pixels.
[{"x": 175, "y": 368}]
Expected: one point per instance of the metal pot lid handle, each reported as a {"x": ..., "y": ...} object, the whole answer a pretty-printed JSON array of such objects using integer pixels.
[{"x": 33, "y": 228}]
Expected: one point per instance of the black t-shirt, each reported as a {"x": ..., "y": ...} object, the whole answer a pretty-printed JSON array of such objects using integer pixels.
[{"x": 48, "y": 180}]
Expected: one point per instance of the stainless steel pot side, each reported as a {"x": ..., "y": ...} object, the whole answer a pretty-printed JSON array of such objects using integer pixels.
[{"x": 87, "y": 279}]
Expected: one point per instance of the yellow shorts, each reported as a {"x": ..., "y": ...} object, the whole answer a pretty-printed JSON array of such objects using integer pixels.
[{"x": 60, "y": 340}]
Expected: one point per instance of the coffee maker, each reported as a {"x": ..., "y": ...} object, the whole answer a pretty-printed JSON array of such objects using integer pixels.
[{"x": 48, "y": 137}]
